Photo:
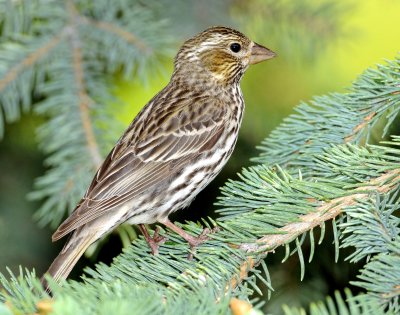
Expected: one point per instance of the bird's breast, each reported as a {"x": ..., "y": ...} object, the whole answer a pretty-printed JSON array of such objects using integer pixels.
[{"x": 228, "y": 139}]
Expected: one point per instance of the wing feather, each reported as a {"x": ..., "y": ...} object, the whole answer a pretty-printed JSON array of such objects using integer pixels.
[{"x": 133, "y": 167}]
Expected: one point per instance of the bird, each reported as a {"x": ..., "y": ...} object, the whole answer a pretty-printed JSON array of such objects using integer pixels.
[{"x": 173, "y": 148}]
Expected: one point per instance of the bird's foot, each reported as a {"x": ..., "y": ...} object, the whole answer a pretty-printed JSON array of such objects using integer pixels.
[
  {"x": 155, "y": 241},
  {"x": 192, "y": 240},
  {"x": 204, "y": 236},
  {"x": 196, "y": 241}
]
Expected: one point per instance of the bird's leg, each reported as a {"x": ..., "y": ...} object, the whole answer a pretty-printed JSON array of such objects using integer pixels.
[
  {"x": 193, "y": 241},
  {"x": 155, "y": 241}
]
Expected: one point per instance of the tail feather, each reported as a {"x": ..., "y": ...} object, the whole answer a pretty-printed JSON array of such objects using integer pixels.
[{"x": 68, "y": 257}]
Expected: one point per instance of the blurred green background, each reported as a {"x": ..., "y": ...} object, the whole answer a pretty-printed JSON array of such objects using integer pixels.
[{"x": 322, "y": 47}]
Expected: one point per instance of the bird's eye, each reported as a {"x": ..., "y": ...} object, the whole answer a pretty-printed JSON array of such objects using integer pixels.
[{"x": 235, "y": 47}]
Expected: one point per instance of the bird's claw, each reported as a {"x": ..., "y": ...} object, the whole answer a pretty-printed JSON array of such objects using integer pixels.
[
  {"x": 203, "y": 237},
  {"x": 155, "y": 241}
]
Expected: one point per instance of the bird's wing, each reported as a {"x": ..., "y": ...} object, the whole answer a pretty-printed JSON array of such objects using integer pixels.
[{"x": 164, "y": 141}]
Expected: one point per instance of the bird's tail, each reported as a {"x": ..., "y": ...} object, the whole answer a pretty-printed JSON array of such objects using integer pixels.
[{"x": 68, "y": 257}]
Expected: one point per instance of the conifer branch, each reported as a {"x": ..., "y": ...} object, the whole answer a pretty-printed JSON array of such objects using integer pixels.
[
  {"x": 120, "y": 32},
  {"x": 83, "y": 96},
  {"x": 29, "y": 61},
  {"x": 351, "y": 115},
  {"x": 244, "y": 269},
  {"x": 327, "y": 211},
  {"x": 364, "y": 123}
]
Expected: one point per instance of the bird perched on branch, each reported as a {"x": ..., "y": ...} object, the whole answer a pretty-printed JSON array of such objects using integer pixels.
[{"x": 173, "y": 148}]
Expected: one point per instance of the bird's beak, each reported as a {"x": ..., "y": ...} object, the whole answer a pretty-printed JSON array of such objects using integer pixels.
[{"x": 260, "y": 53}]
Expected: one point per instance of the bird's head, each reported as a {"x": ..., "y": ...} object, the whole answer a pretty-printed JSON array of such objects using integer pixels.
[{"x": 219, "y": 53}]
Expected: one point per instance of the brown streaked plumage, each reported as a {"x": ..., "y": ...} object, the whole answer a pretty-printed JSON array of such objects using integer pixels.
[{"x": 173, "y": 148}]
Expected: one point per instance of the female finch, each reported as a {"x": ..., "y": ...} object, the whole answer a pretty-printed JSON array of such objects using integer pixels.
[{"x": 173, "y": 148}]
